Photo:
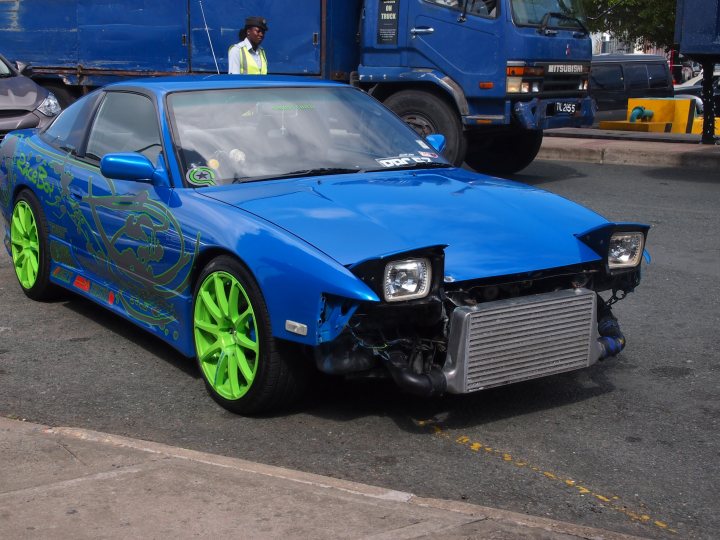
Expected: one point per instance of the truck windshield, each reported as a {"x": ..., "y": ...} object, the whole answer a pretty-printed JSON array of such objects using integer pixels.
[{"x": 549, "y": 13}]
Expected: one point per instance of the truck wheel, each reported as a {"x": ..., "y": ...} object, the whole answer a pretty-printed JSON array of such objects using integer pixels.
[
  {"x": 243, "y": 366},
  {"x": 427, "y": 113},
  {"x": 505, "y": 153}
]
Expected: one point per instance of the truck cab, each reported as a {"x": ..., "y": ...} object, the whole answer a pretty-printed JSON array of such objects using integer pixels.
[{"x": 505, "y": 69}]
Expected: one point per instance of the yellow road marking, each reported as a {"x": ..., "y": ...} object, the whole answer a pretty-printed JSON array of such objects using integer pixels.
[{"x": 609, "y": 501}]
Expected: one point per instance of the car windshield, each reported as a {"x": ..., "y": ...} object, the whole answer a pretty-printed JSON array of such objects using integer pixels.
[
  {"x": 248, "y": 134},
  {"x": 4, "y": 69},
  {"x": 550, "y": 13}
]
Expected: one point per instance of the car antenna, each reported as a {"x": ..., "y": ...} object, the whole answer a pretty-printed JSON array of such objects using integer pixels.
[{"x": 212, "y": 50}]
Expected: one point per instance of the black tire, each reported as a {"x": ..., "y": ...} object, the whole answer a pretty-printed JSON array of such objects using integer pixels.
[
  {"x": 503, "y": 153},
  {"x": 276, "y": 380},
  {"x": 28, "y": 222},
  {"x": 427, "y": 113}
]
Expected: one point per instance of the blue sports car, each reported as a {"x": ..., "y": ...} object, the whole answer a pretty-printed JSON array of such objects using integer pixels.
[{"x": 268, "y": 226}]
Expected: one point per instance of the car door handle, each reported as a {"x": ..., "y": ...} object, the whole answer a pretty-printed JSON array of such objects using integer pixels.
[
  {"x": 76, "y": 194},
  {"x": 414, "y": 32}
]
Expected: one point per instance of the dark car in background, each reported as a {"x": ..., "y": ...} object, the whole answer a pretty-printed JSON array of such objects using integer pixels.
[
  {"x": 614, "y": 78},
  {"x": 23, "y": 104}
]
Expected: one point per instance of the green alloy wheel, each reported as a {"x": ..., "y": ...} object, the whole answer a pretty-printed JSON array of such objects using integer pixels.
[
  {"x": 28, "y": 239},
  {"x": 238, "y": 357}
]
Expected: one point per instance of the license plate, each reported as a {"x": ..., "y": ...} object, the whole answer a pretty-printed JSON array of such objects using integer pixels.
[{"x": 564, "y": 107}]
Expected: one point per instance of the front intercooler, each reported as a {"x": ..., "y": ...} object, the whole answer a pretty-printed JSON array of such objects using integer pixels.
[{"x": 502, "y": 342}]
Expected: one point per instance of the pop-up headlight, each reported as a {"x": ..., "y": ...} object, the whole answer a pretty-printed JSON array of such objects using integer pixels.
[
  {"x": 625, "y": 249},
  {"x": 407, "y": 279}
]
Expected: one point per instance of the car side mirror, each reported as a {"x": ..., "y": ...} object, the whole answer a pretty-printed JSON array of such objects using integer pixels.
[
  {"x": 24, "y": 69},
  {"x": 127, "y": 166},
  {"x": 437, "y": 141}
]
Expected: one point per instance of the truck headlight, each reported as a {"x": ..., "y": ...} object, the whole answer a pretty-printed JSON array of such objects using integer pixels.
[
  {"x": 406, "y": 279},
  {"x": 50, "y": 106},
  {"x": 625, "y": 249}
]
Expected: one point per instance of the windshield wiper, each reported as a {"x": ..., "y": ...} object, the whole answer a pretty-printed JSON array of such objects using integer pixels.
[
  {"x": 543, "y": 29},
  {"x": 321, "y": 171}
]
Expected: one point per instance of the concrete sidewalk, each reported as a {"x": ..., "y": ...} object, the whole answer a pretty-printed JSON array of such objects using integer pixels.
[
  {"x": 75, "y": 483},
  {"x": 628, "y": 148}
]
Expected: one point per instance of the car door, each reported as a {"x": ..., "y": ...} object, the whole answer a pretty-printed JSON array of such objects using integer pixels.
[
  {"x": 607, "y": 87},
  {"x": 636, "y": 79},
  {"x": 135, "y": 243}
]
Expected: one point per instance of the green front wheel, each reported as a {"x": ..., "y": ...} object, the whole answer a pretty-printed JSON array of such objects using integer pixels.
[{"x": 240, "y": 361}]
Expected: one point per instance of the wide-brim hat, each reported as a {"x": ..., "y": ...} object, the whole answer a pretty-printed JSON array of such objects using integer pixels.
[{"x": 260, "y": 22}]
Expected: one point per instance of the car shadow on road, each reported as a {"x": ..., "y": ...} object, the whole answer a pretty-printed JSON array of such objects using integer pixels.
[
  {"x": 129, "y": 331},
  {"x": 341, "y": 400},
  {"x": 542, "y": 172}
]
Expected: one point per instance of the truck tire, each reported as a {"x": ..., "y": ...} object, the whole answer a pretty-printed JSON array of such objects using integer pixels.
[
  {"x": 504, "y": 153},
  {"x": 427, "y": 113}
]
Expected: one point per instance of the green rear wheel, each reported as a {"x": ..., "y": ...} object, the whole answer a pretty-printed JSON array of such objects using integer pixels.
[
  {"x": 239, "y": 359},
  {"x": 28, "y": 239}
]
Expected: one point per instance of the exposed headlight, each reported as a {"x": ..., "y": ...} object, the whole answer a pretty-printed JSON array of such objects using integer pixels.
[
  {"x": 50, "y": 106},
  {"x": 406, "y": 280},
  {"x": 625, "y": 250}
]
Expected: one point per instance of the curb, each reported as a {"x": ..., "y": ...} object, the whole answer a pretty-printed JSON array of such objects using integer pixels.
[
  {"x": 477, "y": 512},
  {"x": 631, "y": 152}
]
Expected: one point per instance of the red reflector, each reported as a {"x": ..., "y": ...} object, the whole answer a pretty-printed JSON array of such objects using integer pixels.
[
  {"x": 82, "y": 283},
  {"x": 486, "y": 85}
]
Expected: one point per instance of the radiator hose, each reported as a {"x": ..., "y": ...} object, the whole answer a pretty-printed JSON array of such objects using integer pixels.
[
  {"x": 611, "y": 339},
  {"x": 428, "y": 384}
]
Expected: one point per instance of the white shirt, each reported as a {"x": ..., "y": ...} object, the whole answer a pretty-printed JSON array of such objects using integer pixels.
[{"x": 234, "y": 56}]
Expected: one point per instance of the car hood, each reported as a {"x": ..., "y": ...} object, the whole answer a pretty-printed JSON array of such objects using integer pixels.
[
  {"x": 490, "y": 226},
  {"x": 20, "y": 93}
]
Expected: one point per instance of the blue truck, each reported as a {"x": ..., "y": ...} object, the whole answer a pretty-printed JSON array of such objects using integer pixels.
[{"x": 490, "y": 75}]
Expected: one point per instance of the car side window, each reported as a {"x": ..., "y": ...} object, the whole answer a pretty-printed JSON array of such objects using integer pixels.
[
  {"x": 482, "y": 8},
  {"x": 67, "y": 132},
  {"x": 606, "y": 77},
  {"x": 637, "y": 76},
  {"x": 125, "y": 122},
  {"x": 658, "y": 76}
]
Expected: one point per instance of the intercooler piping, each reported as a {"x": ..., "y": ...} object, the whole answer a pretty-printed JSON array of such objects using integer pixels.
[
  {"x": 429, "y": 384},
  {"x": 611, "y": 339}
]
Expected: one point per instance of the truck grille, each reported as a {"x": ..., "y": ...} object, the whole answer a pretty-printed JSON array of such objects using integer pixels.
[
  {"x": 498, "y": 343},
  {"x": 556, "y": 85}
]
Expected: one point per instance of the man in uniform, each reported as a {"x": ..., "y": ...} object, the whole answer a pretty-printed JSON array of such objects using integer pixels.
[{"x": 248, "y": 57}]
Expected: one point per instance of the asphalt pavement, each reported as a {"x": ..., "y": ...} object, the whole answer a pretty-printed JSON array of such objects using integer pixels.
[{"x": 63, "y": 482}]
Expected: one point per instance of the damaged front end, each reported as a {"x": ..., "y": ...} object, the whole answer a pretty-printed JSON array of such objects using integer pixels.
[{"x": 470, "y": 335}]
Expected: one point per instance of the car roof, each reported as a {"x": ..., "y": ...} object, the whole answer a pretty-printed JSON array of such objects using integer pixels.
[
  {"x": 163, "y": 85},
  {"x": 636, "y": 57}
]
